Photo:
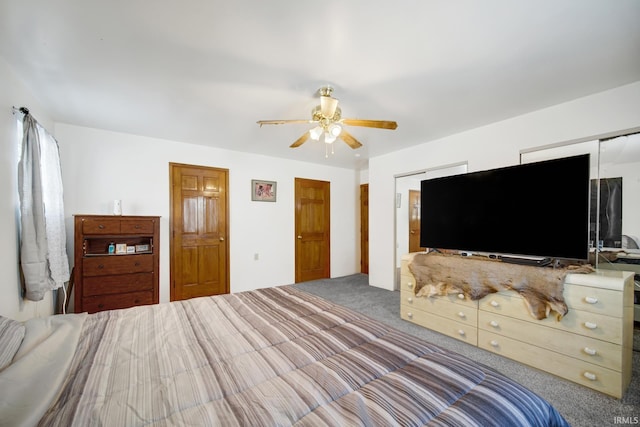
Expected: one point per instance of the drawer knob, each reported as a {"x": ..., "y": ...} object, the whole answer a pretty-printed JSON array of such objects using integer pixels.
[
  {"x": 590, "y": 376},
  {"x": 495, "y": 304},
  {"x": 590, "y": 325},
  {"x": 494, "y": 343},
  {"x": 461, "y": 332},
  {"x": 590, "y": 351},
  {"x": 460, "y": 296},
  {"x": 137, "y": 264},
  {"x": 410, "y": 299},
  {"x": 410, "y": 315},
  {"x": 462, "y": 315},
  {"x": 410, "y": 285},
  {"x": 100, "y": 266},
  {"x": 101, "y": 226},
  {"x": 494, "y": 323},
  {"x": 137, "y": 226},
  {"x": 591, "y": 300}
]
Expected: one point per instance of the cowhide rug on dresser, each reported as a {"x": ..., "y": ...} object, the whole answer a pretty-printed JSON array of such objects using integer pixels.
[{"x": 477, "y": 277}]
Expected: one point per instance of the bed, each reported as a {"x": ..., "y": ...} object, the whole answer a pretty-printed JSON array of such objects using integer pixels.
[{"x": 275, "y": 357}]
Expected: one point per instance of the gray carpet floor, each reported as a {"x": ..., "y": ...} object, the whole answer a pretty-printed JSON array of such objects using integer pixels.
[{"x": 579, "y": 405}]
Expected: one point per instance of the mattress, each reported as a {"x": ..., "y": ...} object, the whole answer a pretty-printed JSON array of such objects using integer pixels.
[{"x": 269, "y": 357}]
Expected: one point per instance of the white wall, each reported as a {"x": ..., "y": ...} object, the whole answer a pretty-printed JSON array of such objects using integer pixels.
[
  {"x": 14, "y": 93},
  {"x": 487, "y": 147},
  {"x": 100, "y": 166}
]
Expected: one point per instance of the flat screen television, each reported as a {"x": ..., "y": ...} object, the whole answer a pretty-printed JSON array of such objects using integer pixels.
[{"x": 533, "y": 210}]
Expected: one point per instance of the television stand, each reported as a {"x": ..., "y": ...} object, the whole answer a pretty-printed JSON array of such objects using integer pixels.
[
  {"x": 525, "y": 260},
  {"x": 591, "y": 345}
]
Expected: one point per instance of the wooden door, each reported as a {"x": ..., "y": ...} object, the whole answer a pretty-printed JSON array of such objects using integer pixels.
[
  {"x": 414, "y": 221},
  {"x": 312, "y": 226},
  {"x": 199, "y": 231},
  {"x": 364, "y": 228}
]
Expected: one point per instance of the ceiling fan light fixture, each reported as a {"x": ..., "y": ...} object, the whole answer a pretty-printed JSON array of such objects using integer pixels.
[
  {"x": 334, "y": 129},
  {"x": 328, "y": 106},
  {"x": 316, "y": 132},
  {"x": 329, "y": 138}
]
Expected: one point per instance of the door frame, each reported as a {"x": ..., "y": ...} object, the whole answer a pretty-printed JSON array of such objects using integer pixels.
[
  {"x": 398, "y": 220},
  {"x": 173, "y": 165},
  {"x": 411, "y": 193}
]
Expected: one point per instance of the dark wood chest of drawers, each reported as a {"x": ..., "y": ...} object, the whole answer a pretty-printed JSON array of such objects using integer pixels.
[{"x": 116, "y": 262}]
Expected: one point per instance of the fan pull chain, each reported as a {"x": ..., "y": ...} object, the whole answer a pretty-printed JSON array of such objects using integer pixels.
[{"x": 326, "y": 150}]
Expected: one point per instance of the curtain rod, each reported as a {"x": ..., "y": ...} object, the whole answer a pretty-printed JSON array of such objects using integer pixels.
[{"x": 23, "y": 110}]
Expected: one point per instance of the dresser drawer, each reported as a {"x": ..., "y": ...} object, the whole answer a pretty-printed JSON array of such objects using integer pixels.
[
  {"x": 117, "y": 264},
  {"x": 588, "y": 374},
  {"x": 137, "y": 226},
  {"x": 121, "y": 283},
  {"x": 452, "y": 328},
  {"x": 445, "y": 306},
  {"x": 118, "y": 226},
  {"x": 115, "y": 301},
  {"x": 407, "y": 284},
  {"x": 587, "y": 349},
  {"x": 596, "y": 300},
  {"x": 101, "y": 226},
  {"x": 580, "y": 322}
]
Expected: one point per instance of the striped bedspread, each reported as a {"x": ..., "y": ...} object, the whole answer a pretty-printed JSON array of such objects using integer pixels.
[{"x": 276, "y": 357}]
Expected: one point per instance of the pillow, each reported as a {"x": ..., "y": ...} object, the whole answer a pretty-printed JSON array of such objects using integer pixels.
[{"x": 11, "y": 335}]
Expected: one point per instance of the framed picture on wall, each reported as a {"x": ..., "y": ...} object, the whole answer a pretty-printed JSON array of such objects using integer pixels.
[{"x": 263, "y": 191}]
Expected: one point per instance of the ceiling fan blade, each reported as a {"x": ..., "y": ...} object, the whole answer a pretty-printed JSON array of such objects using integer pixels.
[
  {"x": 300, "y": 140},
  {"x": 350, "y": 140},
  {"x": 380, "y": 124},
  {"x": 281, "y": 122}
]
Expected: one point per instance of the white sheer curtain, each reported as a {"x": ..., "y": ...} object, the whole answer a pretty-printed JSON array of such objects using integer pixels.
[{"x": 43, "y": 253}]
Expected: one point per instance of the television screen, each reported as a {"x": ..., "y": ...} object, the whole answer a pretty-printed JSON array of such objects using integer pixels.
[{"x": 537, "y": 209}]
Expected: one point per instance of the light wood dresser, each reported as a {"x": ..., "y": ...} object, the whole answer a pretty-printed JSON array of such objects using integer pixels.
[{"x": 592, "y": 345}]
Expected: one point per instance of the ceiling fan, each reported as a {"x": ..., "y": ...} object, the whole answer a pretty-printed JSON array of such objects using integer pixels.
[{"x": 329, "y": 122}]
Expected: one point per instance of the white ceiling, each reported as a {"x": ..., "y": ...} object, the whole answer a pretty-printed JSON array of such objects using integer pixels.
[{"x": 204, "y": 71}]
